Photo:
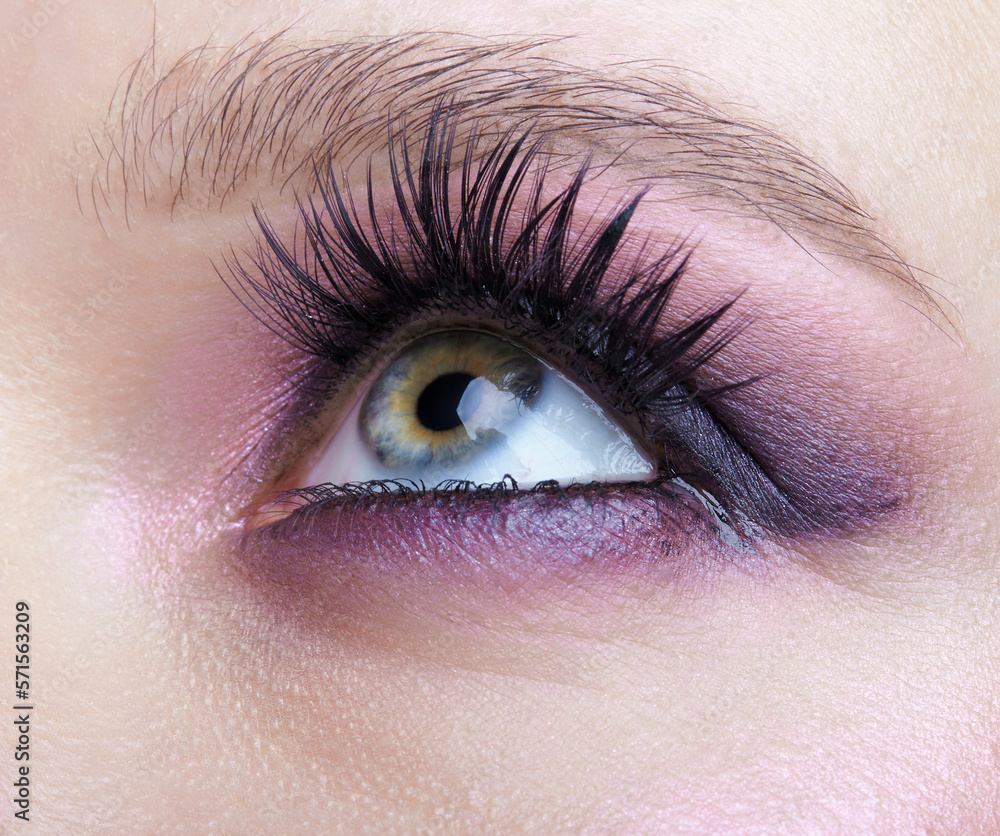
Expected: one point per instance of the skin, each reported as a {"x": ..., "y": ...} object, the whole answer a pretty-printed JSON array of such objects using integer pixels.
[{"x": 844, "y": 683}]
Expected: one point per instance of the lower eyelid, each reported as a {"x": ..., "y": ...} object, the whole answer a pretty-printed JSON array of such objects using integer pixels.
[{"x": 344, "y": 548}]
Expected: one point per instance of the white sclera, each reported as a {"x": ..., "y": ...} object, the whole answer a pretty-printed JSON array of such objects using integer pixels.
[{"x": 564, "y": 435}]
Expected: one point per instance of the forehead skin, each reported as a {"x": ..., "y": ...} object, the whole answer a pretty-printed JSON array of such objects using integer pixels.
[{"x": 812, "y": 709}]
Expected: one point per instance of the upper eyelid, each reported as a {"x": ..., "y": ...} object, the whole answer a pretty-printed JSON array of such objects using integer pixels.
[{"x": 218, "y": 117}]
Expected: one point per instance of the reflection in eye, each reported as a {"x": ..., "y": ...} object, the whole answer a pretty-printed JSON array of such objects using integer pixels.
[{"x": 472, "y": 407}]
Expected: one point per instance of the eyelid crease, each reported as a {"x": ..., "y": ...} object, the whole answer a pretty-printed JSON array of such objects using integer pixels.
[{"x": 198, "y": 131}]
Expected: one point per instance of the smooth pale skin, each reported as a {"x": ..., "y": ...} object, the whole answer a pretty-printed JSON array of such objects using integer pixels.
[{"x": 165, "y": 702}]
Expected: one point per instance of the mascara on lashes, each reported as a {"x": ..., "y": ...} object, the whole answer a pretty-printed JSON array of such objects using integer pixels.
[{"x": 339, "y": 291}]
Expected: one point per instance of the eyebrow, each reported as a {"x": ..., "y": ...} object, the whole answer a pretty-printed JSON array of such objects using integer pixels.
[{"x": 196, "y": 132}]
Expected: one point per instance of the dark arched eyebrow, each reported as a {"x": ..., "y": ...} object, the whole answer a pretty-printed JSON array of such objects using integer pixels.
[{"x": 199, "y": 130}]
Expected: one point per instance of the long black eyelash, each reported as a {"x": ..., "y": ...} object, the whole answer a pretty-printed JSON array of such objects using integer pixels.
[{"x": 339, "y": 290}]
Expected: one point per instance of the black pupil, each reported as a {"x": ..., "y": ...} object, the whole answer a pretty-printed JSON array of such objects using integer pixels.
[{"x": 437, "y": 406}]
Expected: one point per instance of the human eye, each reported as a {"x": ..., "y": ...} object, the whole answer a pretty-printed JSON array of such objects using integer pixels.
[
  {"x": 731, "y": 385},
  {"x": 483, "y": 338},
  {"x": 471, "y": 407}
]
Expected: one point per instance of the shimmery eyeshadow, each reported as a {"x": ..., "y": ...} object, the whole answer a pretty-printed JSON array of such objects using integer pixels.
[{"x": 344, "y": 552}]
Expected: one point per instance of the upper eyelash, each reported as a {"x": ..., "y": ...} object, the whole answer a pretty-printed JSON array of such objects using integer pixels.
[{"x": 337, "y": 291}]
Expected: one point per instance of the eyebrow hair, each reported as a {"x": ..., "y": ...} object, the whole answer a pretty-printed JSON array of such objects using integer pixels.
[{"x": 220, "y": 117}]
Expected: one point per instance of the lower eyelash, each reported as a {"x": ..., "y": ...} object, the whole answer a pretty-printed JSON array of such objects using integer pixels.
[{"x": 508, "y": 505}]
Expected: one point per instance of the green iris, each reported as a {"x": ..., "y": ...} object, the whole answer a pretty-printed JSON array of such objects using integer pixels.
[{"x": 428, "y": 407}]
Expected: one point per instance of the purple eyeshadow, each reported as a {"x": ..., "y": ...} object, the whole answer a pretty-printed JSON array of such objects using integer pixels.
[{"x": 342, "y": 549}]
